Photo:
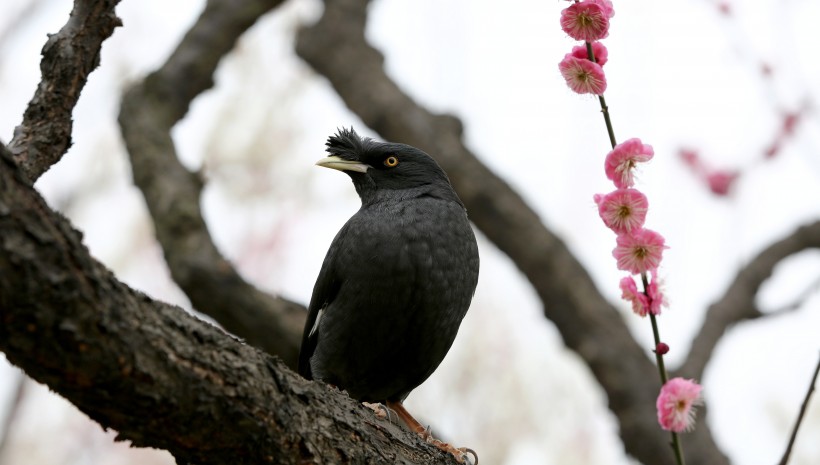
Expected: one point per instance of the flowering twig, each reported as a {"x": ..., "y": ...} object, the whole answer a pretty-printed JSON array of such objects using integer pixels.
[
  {"x": 799, "y": 420},
  {"x": 604, "y": 107},
  {"x": 639, "y": 250}
]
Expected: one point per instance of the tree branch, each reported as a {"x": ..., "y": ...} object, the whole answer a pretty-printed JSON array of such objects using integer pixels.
[
  {"x": 68, "y": 58},
  {"x": 157, "y": 375},
  {"x": 12, "y": 411},
  {"x": 336, "y": 47},
  {"x": 738, "y": 302},
  {"x": 149, "y": 111},
  {"x": 803, "y": 406}
]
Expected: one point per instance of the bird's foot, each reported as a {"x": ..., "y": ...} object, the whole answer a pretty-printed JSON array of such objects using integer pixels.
[
  {"x": 381, "y": 410},
  {"x": 462, "y": 454}
]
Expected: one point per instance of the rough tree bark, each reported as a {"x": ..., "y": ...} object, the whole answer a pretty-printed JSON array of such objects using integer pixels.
[
  {"x": 69, "y": 57},
  {"x": 157, "y": 375},
  {"x": 70, "y": 324}
]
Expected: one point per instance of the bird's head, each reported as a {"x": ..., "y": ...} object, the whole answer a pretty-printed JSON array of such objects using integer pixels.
[{"x": 377, "y": 167}]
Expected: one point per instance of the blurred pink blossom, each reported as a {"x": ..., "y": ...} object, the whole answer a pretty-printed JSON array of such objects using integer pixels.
[
  {"x": 690, "y": 157},
  {"x": 790, "y": 121},
  {"x": 676, "y": 403},
  {"x": 630, "y": 293},
  {"x": 720, "y": 182},
  {"x": 772, "y": 150},
  {"x": 586, "y": 20},
  {"x": 657, "y": 298},
  {"x": 643, "y": 303},
  {"x": 582, "y": 75},
  {"x": 598, "y": 50},
  {"x": 606, "y": 5},
  {"x": 623, "y": 158},
  {"x": 623, "y": 210},
  {"x": 639, "y": 251}
]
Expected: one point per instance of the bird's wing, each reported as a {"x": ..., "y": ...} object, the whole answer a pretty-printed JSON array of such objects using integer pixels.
[{"x": 324, "y": 291}]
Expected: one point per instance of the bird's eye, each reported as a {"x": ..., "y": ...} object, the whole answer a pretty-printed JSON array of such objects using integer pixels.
[{"x": 391, "y": 161}]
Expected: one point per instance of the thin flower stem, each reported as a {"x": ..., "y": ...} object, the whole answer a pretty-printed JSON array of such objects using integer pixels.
[
  {"x": 656, "y": 333},
  {"x": 676, "y": 448},
  {"x": 602, "y": 100},
  {"x": 658, "y": 356},
  {"x": 608, "y": 121}
]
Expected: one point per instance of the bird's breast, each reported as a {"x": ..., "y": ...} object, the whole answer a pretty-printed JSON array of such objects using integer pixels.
[{"x": 407, "y": 272}]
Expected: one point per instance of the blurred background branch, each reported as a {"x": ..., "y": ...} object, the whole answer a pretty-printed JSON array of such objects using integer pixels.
[
  {"x": 738, "y": 302},
  {"x": 149, "y": 110}
]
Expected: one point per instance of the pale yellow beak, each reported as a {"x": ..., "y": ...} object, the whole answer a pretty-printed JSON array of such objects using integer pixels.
[{"x": 341, "y": 164}]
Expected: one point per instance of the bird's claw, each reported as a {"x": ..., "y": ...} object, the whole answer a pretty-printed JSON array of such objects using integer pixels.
[
  {"x": 462, "y": 454},
  {"x": 466, "y": 450},
  {"x": 379, "y": 409},
  {"x": 382, "y": 411}
]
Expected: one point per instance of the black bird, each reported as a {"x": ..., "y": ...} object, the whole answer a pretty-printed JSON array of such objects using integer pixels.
[{"x": 397, "y": 280}]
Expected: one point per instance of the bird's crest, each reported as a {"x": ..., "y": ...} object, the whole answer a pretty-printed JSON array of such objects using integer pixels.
[{"x": 347, "y": 141}]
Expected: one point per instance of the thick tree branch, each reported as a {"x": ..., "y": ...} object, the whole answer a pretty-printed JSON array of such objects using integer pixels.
[
  {"x": 149, "y": 111},
  {"x": 157, "y": 375},
  {"x": 336, "y": 47},
  {"x": 738, "y": 302},
  {"x": 68, "y": 58}
]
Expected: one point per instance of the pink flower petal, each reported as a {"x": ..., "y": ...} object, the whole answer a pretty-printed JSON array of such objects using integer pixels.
[
  {"x": 676, "y": 403},
  {"x": 605, "y": 5},
  {"x": 623, "y": 210},
  {"x": 587, "y": 21},
  {"x": 598, "y": 51},
  {"x": 656, "y": 296},
  {"x": 639, "y": 251},
  {"x": 583, "y": 76},
  {"x": 622, "y": 160},
  {"x": 720, "y": 182},
  {"x": 630, "y": 293}
]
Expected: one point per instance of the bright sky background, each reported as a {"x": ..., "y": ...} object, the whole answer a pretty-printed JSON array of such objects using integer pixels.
[{"x": 680, "y": 75}]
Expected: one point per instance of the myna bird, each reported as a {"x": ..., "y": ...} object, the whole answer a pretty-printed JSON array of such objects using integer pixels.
[{"x": 397, "y": 280}]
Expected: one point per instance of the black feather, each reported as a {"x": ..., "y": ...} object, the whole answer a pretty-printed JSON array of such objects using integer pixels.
[{"x": 397, "y": 279}]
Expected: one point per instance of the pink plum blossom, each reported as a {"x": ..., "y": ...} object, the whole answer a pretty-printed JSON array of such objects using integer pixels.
[
  {"x": 622, "y": 210},
  {"x": 622, "y": 160},
  {"x": 586, "y": 20},
  {"x": 606, "y": 5},
  {"x": 676, "y": 403},
  {"x": 657, "y": 298},
  {"x": 643, "y": 303},
  {"x": 639, "y": 251},
  {"x": 720, "y": 182},
  {"x": 630, "y": 293},
  {"x": 598, "y": 50},
  {"x": 582, "y": 75},
  {"x": 691, "y": 157}
]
